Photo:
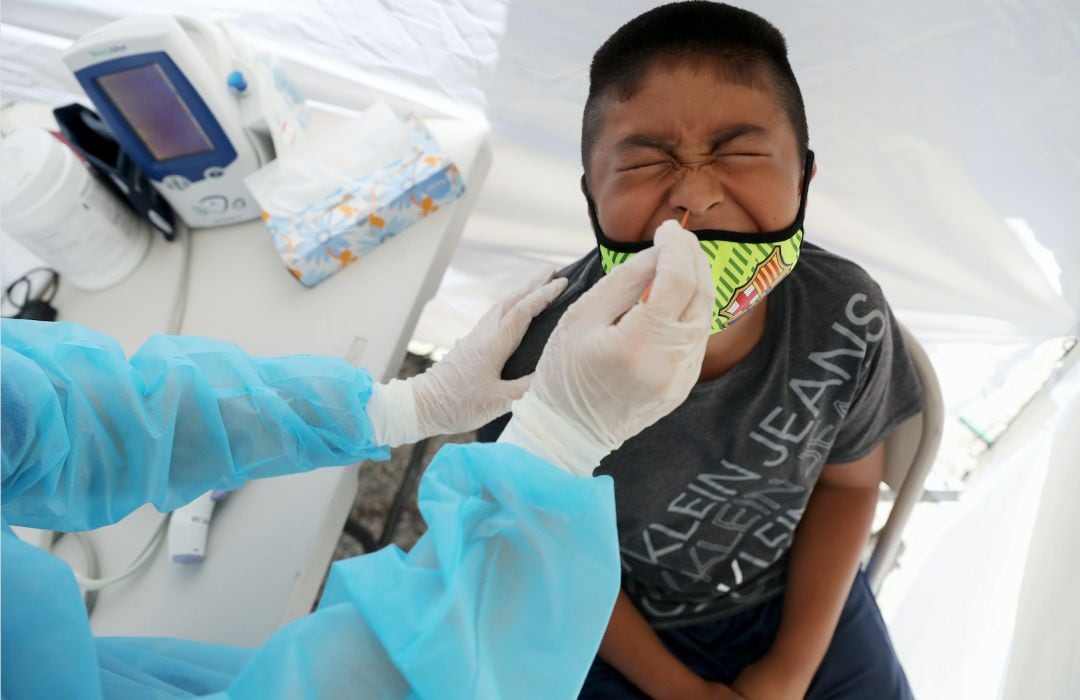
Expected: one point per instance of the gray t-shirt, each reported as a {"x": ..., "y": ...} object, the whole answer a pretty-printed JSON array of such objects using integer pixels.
[{"x": 708, "y": 498}]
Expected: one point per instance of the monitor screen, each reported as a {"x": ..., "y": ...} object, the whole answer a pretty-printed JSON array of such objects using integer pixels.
[{"x": 162, "y": 120}]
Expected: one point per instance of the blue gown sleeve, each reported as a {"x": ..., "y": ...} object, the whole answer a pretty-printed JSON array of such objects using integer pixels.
[
  {"x": 507, "y": 595},
  {"x": 89, "y": 436}
]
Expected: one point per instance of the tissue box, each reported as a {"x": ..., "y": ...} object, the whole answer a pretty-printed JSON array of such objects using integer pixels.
[{"x": 326, "y": 236}]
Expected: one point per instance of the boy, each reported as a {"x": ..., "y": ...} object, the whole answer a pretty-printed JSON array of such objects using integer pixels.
[{"x": 743, "y": 514}]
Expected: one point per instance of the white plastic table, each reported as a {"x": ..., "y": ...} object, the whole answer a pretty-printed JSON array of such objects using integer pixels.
[{"x": 270, "y": 542}]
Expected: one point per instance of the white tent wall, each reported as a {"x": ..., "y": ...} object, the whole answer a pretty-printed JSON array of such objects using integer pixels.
[
  {"x": 933, "y": 123},
  {"x": 953, "y": 606},
  {"x": 1045, "y": 648},
  {"x": 948, "y": 153}
]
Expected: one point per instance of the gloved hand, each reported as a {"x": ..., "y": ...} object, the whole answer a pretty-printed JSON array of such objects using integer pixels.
[
  {"x": 465, "y": 389},
  {"x": 614, "y": 366}
]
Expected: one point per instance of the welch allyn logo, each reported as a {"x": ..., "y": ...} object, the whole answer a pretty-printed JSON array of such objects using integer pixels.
[{"x": 106, "y": 50}]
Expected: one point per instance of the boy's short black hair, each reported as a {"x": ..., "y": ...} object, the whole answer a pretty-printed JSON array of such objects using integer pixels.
[{"x": 747, "y": 50}]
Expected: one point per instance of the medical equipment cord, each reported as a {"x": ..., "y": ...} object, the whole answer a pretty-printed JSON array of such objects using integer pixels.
[
  {"x": 89, "y": 596},
  {"x": 176, "y": 318},
  {"x": 96, "y": 584}
]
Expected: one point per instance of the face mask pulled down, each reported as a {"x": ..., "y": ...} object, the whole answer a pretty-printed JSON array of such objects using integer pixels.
[{"x": 745, "y": 267}]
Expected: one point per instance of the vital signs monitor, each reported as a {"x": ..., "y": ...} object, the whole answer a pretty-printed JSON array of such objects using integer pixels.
[{"x": 191, "y": 107}]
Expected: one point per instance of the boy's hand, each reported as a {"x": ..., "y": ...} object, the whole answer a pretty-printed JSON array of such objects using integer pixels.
[
  {"x": 708, "y": 690},
  {"x": 767, "y": 679}
]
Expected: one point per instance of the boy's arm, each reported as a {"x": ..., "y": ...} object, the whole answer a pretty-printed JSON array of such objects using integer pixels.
[
  {"x": 633, "y": 648},
  {"x": 824, "y": 557}
]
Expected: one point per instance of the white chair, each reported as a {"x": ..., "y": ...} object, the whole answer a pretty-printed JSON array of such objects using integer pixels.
[{"x": 910, "y": 450}]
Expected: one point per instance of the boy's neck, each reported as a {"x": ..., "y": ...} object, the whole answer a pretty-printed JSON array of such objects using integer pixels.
[{"x": 733, "y": 345}]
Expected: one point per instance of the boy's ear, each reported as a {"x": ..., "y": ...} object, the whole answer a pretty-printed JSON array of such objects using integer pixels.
[
  {"x": 584, "y": 187},
  {"x": 813, "y": 172}
]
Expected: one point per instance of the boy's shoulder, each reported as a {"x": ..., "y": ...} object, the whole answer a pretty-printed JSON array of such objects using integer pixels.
[
  {"x": 825, "y": 274},
  {"x": 824, "y": 262},
  {"x": 581, "y": 274}
]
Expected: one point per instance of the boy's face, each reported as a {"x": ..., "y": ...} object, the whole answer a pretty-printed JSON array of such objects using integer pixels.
[{"x": 745, "y": 174}]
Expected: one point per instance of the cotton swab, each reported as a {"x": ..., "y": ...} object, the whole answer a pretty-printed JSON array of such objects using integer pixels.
[{"x": 682, "y": 222}]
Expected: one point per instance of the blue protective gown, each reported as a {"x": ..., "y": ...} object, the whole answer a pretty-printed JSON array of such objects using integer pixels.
[{"x": 506, "y": 596}]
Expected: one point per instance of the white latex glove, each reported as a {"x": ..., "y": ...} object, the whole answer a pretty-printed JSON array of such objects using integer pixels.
[
  {"x": 464, "y": 390},
  {"x": 614, "y": 366}
]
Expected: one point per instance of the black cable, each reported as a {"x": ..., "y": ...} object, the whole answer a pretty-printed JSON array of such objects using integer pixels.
[
  {"x": 34, "y": 306},
  {"x": 361, "y": 534},
  {"x": 407, "y": 486}
]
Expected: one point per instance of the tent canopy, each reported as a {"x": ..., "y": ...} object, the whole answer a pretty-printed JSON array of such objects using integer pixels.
[{"x": 944, "y": 132}]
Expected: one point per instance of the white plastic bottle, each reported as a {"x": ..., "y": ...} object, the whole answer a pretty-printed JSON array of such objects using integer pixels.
[{"x": 52, "y": 204}]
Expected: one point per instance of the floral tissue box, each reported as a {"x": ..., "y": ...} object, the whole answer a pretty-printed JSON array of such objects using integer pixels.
[{"x": 326, "y": 236}]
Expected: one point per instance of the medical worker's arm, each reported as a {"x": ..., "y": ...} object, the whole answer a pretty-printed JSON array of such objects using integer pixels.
[
  {"x": 825, "y": 554},
  {"x": 465, "y": 389},
  {"x": 520, "y": 560},
  {"x": 89, "y": 436},
  {"x": 508, "y": 592}
]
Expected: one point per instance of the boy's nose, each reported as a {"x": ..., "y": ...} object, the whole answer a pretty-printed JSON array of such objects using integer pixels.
[{"x": 696, "y": 190}]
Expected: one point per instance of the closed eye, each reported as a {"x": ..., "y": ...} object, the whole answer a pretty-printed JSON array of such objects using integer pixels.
[
  {"x": 651, "y": 164},
  {"x": 741, "y": 154}
]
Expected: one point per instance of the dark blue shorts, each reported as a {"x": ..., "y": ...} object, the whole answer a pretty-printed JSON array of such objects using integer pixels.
[{"x": 860, "y": 662}]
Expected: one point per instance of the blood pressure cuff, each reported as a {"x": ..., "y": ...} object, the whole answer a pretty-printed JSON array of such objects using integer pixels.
[{"x": 92, "y": 140}]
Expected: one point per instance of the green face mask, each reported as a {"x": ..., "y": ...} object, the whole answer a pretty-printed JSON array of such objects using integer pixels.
[{"x": 746, "y": 267}]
